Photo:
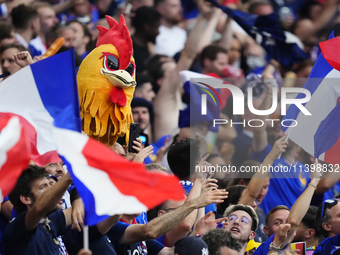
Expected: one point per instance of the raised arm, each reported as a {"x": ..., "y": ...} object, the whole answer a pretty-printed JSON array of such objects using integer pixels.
[
  {"x": 255, "y": 185},
  {"x": 184, "y": 227},
  {"x": 46, "y": 202},
  {"x": 163, "y": 224},
  {"x": 260, "y": 139},
  {"x": 300, "y": 208}
]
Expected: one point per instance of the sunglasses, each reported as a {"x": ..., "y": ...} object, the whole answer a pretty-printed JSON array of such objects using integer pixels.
[
  {"x": 331, "y": 202},
  {"x": 244, "y": 220}
]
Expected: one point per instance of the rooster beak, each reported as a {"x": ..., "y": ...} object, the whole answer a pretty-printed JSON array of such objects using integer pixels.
[{"x": 119, "y": 78}]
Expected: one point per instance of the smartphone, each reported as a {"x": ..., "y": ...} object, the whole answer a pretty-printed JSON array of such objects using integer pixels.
[{"x": 134, "y": 133}]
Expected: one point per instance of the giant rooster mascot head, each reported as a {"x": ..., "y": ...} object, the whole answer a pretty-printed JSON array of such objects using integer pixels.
[{"x": 106, "y": 82}]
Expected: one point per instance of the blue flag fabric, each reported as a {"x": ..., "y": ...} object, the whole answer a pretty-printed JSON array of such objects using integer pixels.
[
  {"x": 328, "y": 132},
  {"x": 267, "y": 32}
]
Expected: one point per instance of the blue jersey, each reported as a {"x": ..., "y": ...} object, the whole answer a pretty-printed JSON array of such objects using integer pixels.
[
  {"x": 263, "y": 249},
  {"x": 40, "y": 241},
  {"x": 328, "y": 246},
  {"x": 287, "y": 182},
  {"x": 151, "y": 247},
  {"x": 142, "y": 219},
  {"x": 98, "y": 244},
  {"x": 187, "y": 185}
]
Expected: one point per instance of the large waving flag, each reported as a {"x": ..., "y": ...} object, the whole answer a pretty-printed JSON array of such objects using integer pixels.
[
  {"x": 266, "y": 31},
  {"x": 195, "y": 86},
  {"x": 44, "y": 97},
  {"x": 37, "y": 94},
  {"x": 318, "y": 134},
  {"x": 13, "y": 142}
]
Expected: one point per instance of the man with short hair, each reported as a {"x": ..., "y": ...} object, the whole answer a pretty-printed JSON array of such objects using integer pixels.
[
  {"x": 33, "y": 199},
  {"x": 141, "y": 111},
  {"x": 146, "y": 23},
  {"x": 171, "y": 38},
  {"x": 213, "y": 59},
  {"x": 243, "y": 223},
  {"x": 287, "y": 222},
  {"x": 82, "y": 37},
  {"x": 48, "y": 18},
  {"x": 221, "y": 242},
  {"x": 144, "y": 87},
  {"x": 276, "y": 216},
  {"x": 328, "y": 223},
  {"x": 26, "y": 24},
  {"x": 307, "y": 232}
]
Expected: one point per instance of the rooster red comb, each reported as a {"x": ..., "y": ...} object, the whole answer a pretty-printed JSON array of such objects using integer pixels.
[{"x": 118, "y": 36}]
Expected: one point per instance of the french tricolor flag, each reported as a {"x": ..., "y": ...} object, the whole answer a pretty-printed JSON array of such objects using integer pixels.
[
  {"x": 318, "y": 133},
  {"x": 43, "y": 98}
]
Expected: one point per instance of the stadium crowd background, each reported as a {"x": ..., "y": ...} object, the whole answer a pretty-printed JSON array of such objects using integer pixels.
[{"x": 171, "y": 36}]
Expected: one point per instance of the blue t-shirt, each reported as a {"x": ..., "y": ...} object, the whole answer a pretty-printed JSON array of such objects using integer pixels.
[
  {"x": 285, "y": 187},
  {"x": 40, "y": 241},
  {"x": 142, "y": 248},
  {"x": 142, "y": 219},
  {"x": 328, "y": 246},
  {"x": 99, "y": 244},
  {"x": 187, "y": 185},
  {"x": 263, "y": 249}
]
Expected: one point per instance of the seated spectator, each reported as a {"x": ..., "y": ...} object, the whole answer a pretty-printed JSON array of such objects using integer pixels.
[{"x": 220, "y": 241}]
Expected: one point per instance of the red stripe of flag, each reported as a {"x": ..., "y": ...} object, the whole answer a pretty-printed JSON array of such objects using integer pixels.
[
  {"x": 131, "y": 178},
  {"x": 17, "y": 158}
]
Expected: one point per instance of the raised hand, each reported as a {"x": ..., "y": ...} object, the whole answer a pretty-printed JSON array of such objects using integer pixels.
[
  {"x": 279, "y": 147},
  {"x": 23, "y": 58},
  {"x": 205, "y": 224}
]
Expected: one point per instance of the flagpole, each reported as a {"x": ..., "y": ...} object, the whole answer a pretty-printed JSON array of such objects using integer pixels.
[
  {"x": 86, "y": 237},
  {"x": 285, "y": 140}
]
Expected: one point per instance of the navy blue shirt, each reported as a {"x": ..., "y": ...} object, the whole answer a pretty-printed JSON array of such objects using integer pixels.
[
  {"x": 151, "y": 247},
  {"x": 263, "y": 249},
  {"x": 328, "y": 246},
  {"x": 40, "y": 241},
  {"x": 99, "y": 244}
]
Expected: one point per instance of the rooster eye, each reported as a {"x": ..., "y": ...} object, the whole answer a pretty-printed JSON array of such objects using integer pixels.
[
  {"x": 130, "y": 69},
  {"x": 112, "y": 62}
]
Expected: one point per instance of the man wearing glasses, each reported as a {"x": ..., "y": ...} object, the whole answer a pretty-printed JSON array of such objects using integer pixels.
[
  {"x": 242, "y": 223},
  {"x": 328, "y": 223}
]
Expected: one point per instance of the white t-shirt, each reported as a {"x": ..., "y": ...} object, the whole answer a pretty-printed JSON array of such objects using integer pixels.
[
  {"x": 170, "y": 40},
  {"x": 38, "y": 44}
]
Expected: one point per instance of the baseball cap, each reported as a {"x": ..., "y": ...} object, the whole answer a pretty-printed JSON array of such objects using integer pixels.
[{"x": 191, "y": 245}]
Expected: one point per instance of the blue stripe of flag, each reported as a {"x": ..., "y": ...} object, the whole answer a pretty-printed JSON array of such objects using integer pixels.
[{"x": 57, "y": 86}]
